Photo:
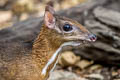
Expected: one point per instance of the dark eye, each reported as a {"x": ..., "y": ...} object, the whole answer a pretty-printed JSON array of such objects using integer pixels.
[{"x": 67, "y": 27}]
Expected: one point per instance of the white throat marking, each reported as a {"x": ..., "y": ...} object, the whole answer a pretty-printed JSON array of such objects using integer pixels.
[{"x": 52, "y": 59}]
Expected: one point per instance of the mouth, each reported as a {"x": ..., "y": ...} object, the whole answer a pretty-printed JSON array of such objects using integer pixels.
[
  {"x": 78, "y": 42},
  {"x": 89, "y": 38},
  {"x": 81, "y": 40}
]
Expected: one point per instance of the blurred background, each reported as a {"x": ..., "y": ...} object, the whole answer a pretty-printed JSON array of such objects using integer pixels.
[
  {"x": 20, "y": 10},
  {"x": 96, "y": 61}
]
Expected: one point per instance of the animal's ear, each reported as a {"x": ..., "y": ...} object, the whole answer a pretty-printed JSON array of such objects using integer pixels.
[{"x": 49, "y": 18}]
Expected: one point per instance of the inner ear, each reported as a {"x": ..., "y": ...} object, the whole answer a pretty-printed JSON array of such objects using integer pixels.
[{"x": 49, "y": 18}]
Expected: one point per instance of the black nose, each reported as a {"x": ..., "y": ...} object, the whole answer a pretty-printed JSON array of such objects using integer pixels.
[{"x": 92, "y": 37}]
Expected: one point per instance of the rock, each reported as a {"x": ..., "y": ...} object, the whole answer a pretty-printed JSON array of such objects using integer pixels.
[
  {"x": 5, "y": 19},
  {"x": 68, "y": 3},
  {"x": 95, "y": 76},
  {"x": 21, "y": 6},
  {"x": 64, "y": 75},
  {"x": 5, "y": 16},
  {"x": 114, "y": 73},
  {"x": 23, "y": 17},
  {"x": 95, "y": 67},
  {"x": 3, "y": 2},
  {"x": 106, "y": 73},
  {"x": 68, "y": 58},
  {"x": 107, "y": 16},
  {"x": 83, "y": 64}
]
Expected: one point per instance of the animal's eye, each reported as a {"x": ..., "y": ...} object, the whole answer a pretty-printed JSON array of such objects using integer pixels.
[{"x": 67, "y": 27}]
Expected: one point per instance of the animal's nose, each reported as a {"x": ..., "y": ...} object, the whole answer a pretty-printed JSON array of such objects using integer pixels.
[{"x": 92, "y": 37}]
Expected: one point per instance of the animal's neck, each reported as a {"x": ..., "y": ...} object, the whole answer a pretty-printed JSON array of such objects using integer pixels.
[{"x": 45, "y": 52}]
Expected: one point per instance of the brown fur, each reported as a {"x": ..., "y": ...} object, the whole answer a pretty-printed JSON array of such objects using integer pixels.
[
  {"x": 26, "y": 64},
  {"x": 42, "y": 48}
]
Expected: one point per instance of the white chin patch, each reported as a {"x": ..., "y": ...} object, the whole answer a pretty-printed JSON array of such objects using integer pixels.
[{"x": 71, "y": 44}]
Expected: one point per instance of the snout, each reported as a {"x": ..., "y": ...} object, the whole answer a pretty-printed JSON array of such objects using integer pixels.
[{"x": 92, "y": 38}]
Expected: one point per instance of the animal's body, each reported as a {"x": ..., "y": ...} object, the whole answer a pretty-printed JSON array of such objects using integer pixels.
[{"x": 35, "y": 60}]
